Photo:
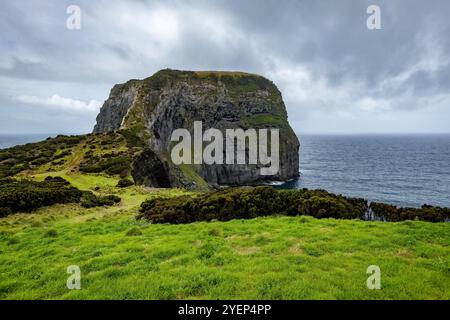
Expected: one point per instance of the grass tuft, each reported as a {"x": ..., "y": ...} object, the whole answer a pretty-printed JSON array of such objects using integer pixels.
[
  {"x": 52, "y": 233},
  {"x": 133, "y": 232}
]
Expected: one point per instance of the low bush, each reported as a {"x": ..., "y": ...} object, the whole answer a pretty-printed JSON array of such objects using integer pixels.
[
  {"x": 27, "y": 195},
  {"x": 55, "y": 150},
  {"x": 123, "y": 183},
  {"x": 90, "y": 200},
  {"x": 247, "y": 203},
  {"x": 112, "y": 164},
  {"x": 392, "y": 213},
  {"x": 16, "y": 159}
]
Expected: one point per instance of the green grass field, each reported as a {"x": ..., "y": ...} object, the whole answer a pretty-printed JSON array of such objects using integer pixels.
[{"x": 265, "y": 258}]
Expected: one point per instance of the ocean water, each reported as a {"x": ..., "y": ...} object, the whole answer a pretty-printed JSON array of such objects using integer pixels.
[
  {"x": 405, "y": 170},
  {"x": 10, "y": 140}
]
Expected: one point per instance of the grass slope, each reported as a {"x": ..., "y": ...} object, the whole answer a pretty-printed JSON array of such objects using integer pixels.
[
  {"x": 270, "y": 258},
  {"x": 264, "y": 258}
]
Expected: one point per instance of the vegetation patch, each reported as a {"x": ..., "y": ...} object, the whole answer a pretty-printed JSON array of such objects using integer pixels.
[
  {"x": 265, "y": 121},
  {"x": 123, "y": 183},
  {"x": 52, "y": 233},
  {"x": 29, "y": 156},
  {"x": 90, "y": 200},
  {"x": 133, "y": 232},
  {"x": 112, "y": 164},
  {"x": 388, "y": 212},
  {"x": 187, "y": 262},
  {"x": 28, "y": 195},
  {"x": 247, "y": 203}
]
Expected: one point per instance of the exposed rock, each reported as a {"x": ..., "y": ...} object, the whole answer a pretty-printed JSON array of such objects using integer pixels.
[
  {"x": 150, "y": 171},
  {"x": 153, "y": 108},
  {"x": 114, "y": 109}
]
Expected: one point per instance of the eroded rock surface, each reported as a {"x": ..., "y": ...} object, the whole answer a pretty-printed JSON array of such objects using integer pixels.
[{"x": 151, "y": 109}]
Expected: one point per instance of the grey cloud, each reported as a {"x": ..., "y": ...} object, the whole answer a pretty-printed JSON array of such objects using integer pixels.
[
  {"x": 319, "y": 52},
  {"x": 28, "y": 70}
]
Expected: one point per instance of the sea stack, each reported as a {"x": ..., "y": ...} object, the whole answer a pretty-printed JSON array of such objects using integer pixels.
[{"x": 151, "y": 109}]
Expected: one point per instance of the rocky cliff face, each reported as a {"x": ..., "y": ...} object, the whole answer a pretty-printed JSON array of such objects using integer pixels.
[{"x": 151, "y": 109}]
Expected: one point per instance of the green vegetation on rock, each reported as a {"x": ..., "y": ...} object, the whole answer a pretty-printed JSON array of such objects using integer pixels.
[
  {"x": 33, "y": 155},
  {"x": 149, "y": 111}
]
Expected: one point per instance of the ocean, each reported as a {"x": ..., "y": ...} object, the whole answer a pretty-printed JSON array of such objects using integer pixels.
[
  {"x": 405, "y": 170},
  {"x": 11, "y": 140}
]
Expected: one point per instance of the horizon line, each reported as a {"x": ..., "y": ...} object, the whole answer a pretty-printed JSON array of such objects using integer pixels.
[{"x": 297, "y": 133}]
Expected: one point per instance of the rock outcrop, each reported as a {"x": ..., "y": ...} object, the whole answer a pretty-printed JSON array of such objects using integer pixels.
[
  {"x": 151, "y": 109},
  {"x": 149, "y": 170}
]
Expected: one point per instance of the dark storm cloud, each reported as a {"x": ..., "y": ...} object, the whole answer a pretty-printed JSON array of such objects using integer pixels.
[
  {"x": 332, "y": 39},
  {"x": 320, "y": 53}
]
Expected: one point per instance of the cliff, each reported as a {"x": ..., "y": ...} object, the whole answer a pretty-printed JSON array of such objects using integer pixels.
[{"x": 151, "y": 109}]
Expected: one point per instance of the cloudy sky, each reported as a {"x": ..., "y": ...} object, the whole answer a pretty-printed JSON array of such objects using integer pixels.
[{"x": 336, "y": 75}]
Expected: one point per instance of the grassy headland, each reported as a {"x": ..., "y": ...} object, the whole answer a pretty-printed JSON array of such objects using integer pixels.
[
  {"x": 274, "y": 257},
  {"x": 264, "y": 258}
]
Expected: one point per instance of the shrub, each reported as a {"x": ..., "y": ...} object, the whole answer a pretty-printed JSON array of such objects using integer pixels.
[
  {"x": 27, "y": 195},
  {"x": 5, "y": 211},
  {"x": 23, "y": 157},
  {"x": 388, "y": 212},
  {"x": 29, "y": 156},
  {"x": 90, "y": 200},
  {"x": 247, "y": 203},
  {"x": 112, "y": 164},
  {"x": 123, "y": 183}
]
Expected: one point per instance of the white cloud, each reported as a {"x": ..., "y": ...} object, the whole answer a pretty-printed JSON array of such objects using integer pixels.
[
  {"x": 305, "y": 92},
  {"x": 61, "y": 103},
  {"x": 372, "y": 104}
]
